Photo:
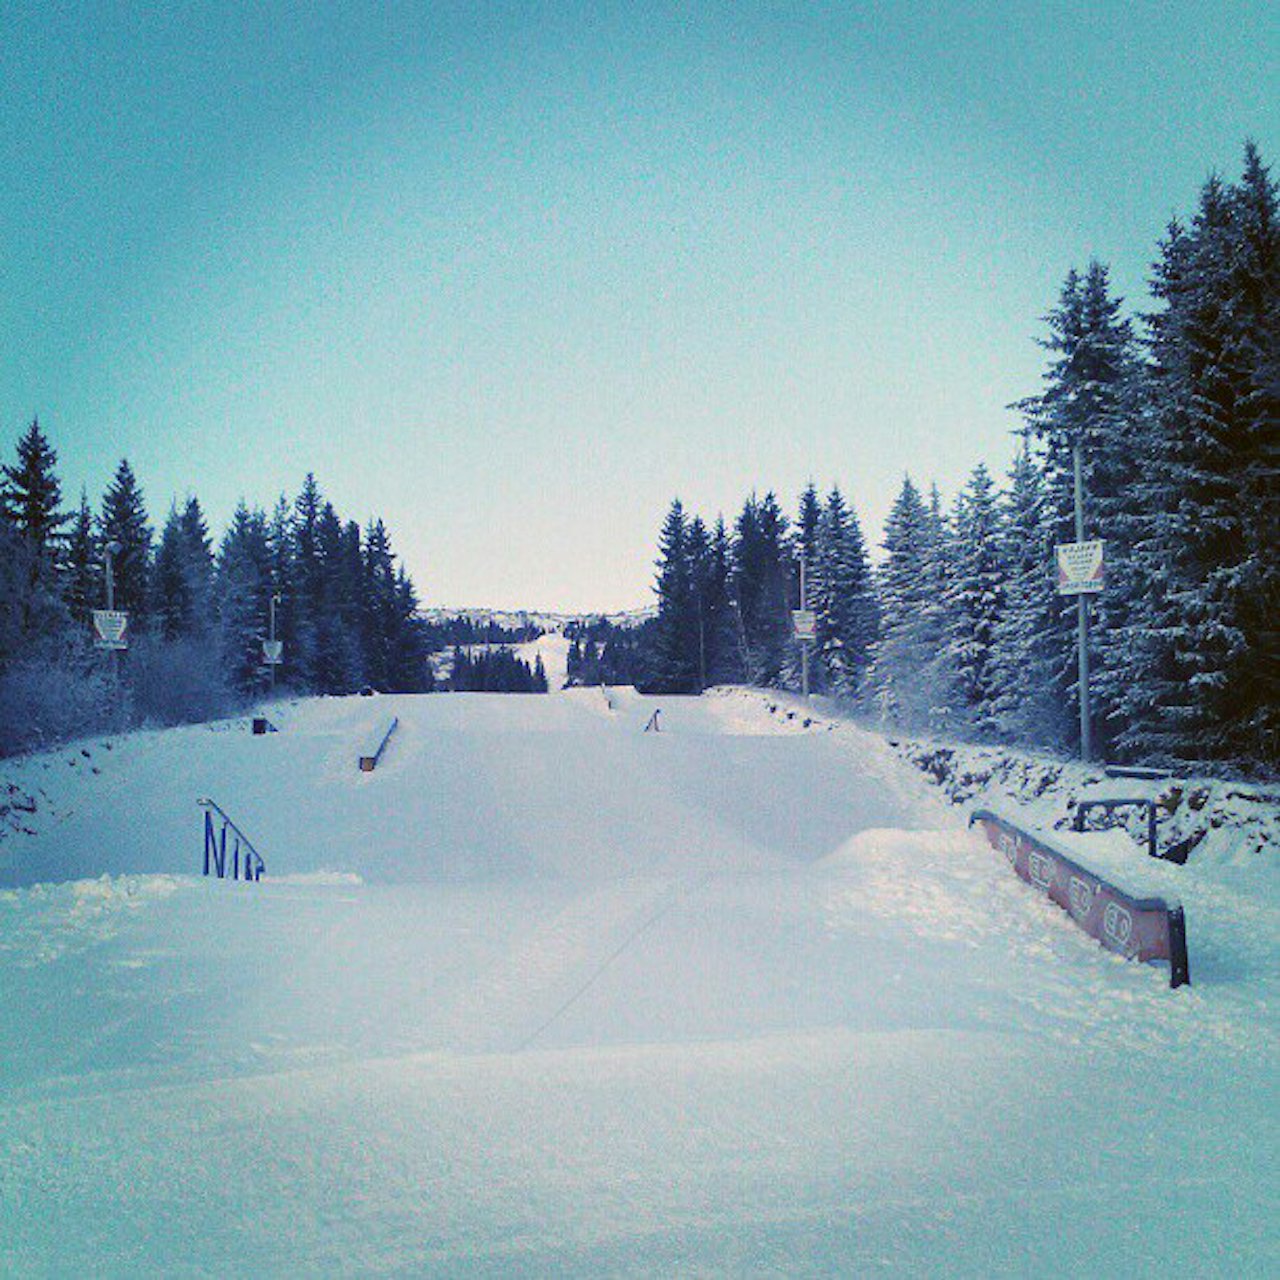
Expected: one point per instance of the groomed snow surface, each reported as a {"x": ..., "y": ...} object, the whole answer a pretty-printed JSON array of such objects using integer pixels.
[{"x": 546, "y": 994}]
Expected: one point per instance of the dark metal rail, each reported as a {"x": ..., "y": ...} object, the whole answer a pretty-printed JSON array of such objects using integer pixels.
[{"x": 249, "y": 867}]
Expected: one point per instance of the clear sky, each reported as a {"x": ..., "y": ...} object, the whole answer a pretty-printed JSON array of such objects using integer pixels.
[{"x": 514, "y": 275}]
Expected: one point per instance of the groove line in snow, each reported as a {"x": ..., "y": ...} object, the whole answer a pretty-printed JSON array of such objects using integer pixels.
[{"x": 592, "y": 978}]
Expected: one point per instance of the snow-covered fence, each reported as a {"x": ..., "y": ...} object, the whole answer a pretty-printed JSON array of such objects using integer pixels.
[
  {"x": 369, "y": 761},
  {"x": 250, "y": 867},
  {"x": 1120, "y": 915}
]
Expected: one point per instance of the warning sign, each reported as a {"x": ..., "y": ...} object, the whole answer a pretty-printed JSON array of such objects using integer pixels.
[
  {"x": 805, "y": 622},
  {"x": 1080, "y": 568},
  {"x": 110, "y": 629}
]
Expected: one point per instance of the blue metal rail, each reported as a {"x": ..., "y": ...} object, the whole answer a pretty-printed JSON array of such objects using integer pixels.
[{"x": 250, "y": 866}]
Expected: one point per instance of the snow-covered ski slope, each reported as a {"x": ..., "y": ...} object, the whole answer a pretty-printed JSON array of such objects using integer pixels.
[{"x": 549, "y": 995}]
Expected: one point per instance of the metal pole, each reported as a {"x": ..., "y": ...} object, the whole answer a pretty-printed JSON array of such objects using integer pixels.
[
  {"x": 272, "y": 664},
  {"x": 804, "y": 644},
  {"x": 109, "y": 553},
  {"x": 1082, "y": 619}
]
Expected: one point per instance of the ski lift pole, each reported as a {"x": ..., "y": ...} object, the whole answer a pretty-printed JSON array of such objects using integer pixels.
[{"x": 1082, "y": 618}]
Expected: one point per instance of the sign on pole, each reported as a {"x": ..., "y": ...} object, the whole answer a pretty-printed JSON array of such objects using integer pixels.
[
  {"x": 110, "y": 628},
  {"x": 1081, "y": 568},
  {"x": 273, "y": 652},
  {"x": 805, "y": 622}
]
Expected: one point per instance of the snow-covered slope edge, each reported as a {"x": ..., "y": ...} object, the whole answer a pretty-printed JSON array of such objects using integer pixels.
[{"x": 1233, "y": 825}]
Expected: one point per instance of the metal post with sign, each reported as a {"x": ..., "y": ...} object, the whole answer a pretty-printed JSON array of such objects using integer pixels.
[
  {"x": 1081, "y": 573},
  {"x": 111, "y": 625},
  {"x": 273, "y": 649},
  {"x": 805, "y": 623}
]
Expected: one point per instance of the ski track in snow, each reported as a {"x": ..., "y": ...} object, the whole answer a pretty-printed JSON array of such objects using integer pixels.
[{"x": 546, "y": 994}]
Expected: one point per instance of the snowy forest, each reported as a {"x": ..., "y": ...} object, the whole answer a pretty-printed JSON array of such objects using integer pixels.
[
  {"x": 959, "y": 628},
  {"x": 346, "y": 612}
]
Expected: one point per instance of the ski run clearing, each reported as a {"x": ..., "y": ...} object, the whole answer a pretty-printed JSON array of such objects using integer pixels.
[{"x": 546, "y": 994}]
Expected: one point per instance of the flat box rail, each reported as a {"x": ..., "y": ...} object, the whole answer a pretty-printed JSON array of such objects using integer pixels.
[
  {"x": 369, "y": 763},
  {"x": 1138, "y": 928}
]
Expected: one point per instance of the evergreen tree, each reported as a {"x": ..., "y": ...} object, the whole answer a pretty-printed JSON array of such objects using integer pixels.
[
  {"x": 182, "y": 575},
  {"x": 82, "y": 579},
  {"x": 337, "y": 665},
  {"x": 32, "y": 496},
  {"x": 1026, "y": 707},
  {"x": 1088, "y": 400},
  {"x": 724, "y": 664},
  {"x": 761, "y": 585},
  {"x": 975, "y": 602},
  {"x": 675, "y": 643},
  {"x": 842, "y": 596},
  {"x": 903, "y": 681},
  {"x": 124, "y": 522},
  {"x": 243, "y": 587},
  {"x": 302, "y": 617},
  {"x": 1204, "y": 663}
]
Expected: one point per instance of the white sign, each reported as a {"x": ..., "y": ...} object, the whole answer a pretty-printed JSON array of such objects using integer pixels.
[
  {"x": 1080, "y": 568},
  {"x": 273, "y": 652},
  {"x": 805, "y": 622},
  {"x": 111, "y": 629}
]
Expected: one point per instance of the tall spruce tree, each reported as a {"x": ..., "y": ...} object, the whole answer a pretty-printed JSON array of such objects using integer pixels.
[
  {"x": 843, "y": 598},
  {"x": 124, "y": 521},
  {"x": 1088, "y": 400},
  {"x": 762, "y": 585},
  {"x": 975, "y": 603},
  {"x": 674, "y": 655},
  {"x": 243, "y": 586},
  {"x": 82, "y": 577},
  {"x": 903, "y": 669},
  {"x": 1026, "y": 707}
]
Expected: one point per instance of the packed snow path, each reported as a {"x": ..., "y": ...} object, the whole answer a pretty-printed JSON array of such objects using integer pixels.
[{"x": 547, "y": 994}]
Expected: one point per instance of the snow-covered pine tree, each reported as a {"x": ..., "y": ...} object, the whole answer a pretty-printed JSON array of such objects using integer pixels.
[
  {"x": 1088, "y": 398},
  {"x": 410, "y": 669},
  {"x": 242, "y": 588},
  {"x": 902, "y": 673},
  {"x": 724, "y": 657},
  {"x": 842, "y": 596},
  {"x": 975, "y": 602},
  {"x": 124, "y": 521},
  {"x": 760, "y": 583},
  {"x": 183, "y": 574},
  {"x": 804, "y": 547},
  {"x": 379, "y": 618},
  {"x": 82, "y": 573},
  {"x": 32, "y": 495},
  {"x": 337, "y": 666},
  {"x": 698, "y": 549},
  {"x": 1207, "y": 562},
  {"x": 1026, "y": 707},
  {"x": 674, "y": 656}
]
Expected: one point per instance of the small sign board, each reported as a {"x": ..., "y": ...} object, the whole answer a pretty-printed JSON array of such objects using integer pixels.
[
  {"x": 1081, "y": 568},
  {"x": 805, "y": 622},
  {"x": 110, "y": 629},
  {"x": 273, "y": 652}
]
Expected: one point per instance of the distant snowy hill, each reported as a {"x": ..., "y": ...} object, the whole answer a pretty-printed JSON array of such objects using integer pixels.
[{"x": 546, "y": 620}]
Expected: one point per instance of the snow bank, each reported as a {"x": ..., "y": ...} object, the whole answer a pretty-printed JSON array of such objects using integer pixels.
[{"x": 1232, "y": 826}]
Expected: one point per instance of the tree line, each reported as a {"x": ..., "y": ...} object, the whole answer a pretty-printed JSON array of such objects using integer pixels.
[
  {"x": 960, "y": 628},
  {"x": 345, "y": 609}
]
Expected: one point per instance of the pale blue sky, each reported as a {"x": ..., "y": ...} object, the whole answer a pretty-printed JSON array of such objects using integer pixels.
[{"x": 512, "y": 276}]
